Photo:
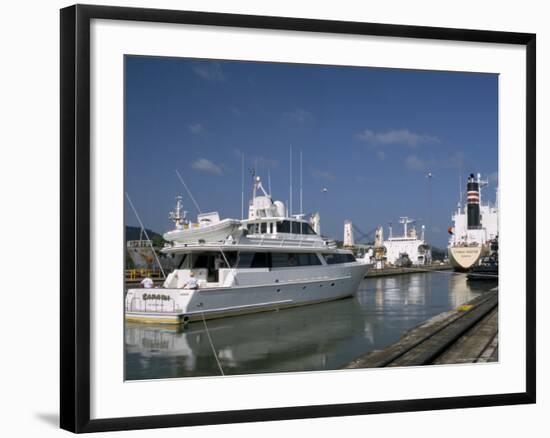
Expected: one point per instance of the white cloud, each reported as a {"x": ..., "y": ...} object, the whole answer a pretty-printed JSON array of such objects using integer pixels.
[
  {"x": 415, "y": 163},
  {"x": 204, "y": 165},
  {"x": 455, "y": 161},
  {"x": 266, "y": 162},
  {"x": 299, "y": 115},
  {"x": 209, "y": 71},
  {"x": 258, "y": 160},
  {"x": 323, "y": 174},
  {"x": 196, "y": 128},
  {"x": 402, "y": 137}
]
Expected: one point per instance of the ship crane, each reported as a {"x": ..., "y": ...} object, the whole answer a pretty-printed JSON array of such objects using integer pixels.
[{"x": 362, "y": 235}]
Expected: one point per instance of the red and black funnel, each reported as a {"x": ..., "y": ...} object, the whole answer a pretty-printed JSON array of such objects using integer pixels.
[{"x": 474, "y": 222}]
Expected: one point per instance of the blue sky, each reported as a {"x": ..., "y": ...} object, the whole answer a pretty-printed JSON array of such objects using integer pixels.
[{"x": 367, "y": 135}]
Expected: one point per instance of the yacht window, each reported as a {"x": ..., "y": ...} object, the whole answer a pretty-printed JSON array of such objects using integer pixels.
[
  {"x": 348, "y": 258},
  {"x": 306, "y": 228},
  {"x": 201, "y": 261},
  {"x": 283, "y": 227},
  {"x": 333, "y": 259},
  {"x": 183, "y": 259},
  {"x": 263, "y": 228},
  {"x": 254, "y": 260},
  {"x": 245, "y": 259},
  {"x": 308, "y": 259},
  {"x": 292, "y": 260},
  {"x": 231, "y": 257},
  {"x": 289, "y": 260},
  {"x": 280, "y": 260},
  {"x": 251, "y": 228},
  {"x": 296, "y": 227},
  {"x": 271, "y": 228},
  {"x": 330, "y": 258},
  {"x": 260, "y": 260}
]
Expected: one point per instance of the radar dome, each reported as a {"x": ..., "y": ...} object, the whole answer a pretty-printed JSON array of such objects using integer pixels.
[{"x": 280, "y": 208}]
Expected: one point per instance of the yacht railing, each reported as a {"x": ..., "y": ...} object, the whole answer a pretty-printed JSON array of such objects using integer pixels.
[
  {"x": 262, "y": 241},
  {"x": 300, "y": 243}
]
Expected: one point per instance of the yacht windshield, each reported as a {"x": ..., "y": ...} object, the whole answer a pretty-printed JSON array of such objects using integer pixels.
[{"x": 294, "y": 227}]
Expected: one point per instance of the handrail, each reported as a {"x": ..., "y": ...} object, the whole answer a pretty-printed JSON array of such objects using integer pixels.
[
  {"x": 261, "y": 242},
  {"x": 138, "y": 243}
]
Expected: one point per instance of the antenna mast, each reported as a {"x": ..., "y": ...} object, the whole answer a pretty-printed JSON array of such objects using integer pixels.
[
  {"x": 290, "y": 206},
  {"x": 301, "y": 188},
  {"x": 189, "y": 192},
  {"x": 242, "y": 185}
]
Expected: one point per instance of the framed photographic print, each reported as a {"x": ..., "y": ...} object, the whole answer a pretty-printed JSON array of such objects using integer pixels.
[{"x": 271, "y": 218}]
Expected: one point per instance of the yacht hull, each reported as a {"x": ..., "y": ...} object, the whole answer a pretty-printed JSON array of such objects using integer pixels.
[{"x": 174, "y": 306}]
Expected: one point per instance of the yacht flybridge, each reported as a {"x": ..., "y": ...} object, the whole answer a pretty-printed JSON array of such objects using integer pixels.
[
  {"x": 208, "y": 227},
  {"x": 271, "y": 260}
]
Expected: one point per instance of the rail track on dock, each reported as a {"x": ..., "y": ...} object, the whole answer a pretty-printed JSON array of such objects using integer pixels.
[{"x": 466, "y": 334}]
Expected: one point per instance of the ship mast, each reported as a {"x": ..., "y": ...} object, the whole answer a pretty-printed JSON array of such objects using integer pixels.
[
  {"x": 242, "y": 185},
  {"x": 405, "y": 221},
  {"x": 290, "y": 190},
  {"x": 301, "y": 188},
  {"x": 176, "y": 216}
]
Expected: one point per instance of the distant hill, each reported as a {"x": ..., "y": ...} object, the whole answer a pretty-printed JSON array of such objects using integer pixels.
[
  {"x": 439, "y": 253},
  {"x": 133, "y": 233}
]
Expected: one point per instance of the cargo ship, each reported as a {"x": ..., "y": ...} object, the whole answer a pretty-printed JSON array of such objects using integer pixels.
[{"x": 475, "y": 225}]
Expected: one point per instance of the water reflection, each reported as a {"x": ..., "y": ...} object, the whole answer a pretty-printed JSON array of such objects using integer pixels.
[{"x": 317, "y": 337}]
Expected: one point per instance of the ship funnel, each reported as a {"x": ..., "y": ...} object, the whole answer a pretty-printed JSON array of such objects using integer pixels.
[{"x": 473, "y": 202}]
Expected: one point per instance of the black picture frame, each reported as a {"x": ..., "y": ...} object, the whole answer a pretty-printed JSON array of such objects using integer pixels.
[{"x": 75, "y": 217}]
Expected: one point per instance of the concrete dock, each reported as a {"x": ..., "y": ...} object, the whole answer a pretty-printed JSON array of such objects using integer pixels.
[{"x": 467, "y": 334}]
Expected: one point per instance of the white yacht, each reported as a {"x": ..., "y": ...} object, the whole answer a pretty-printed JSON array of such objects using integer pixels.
[{"x": 273, "y": 260}]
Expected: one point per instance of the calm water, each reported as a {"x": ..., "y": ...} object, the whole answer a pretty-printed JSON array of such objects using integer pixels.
[{"x": 316, "y": 337}]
